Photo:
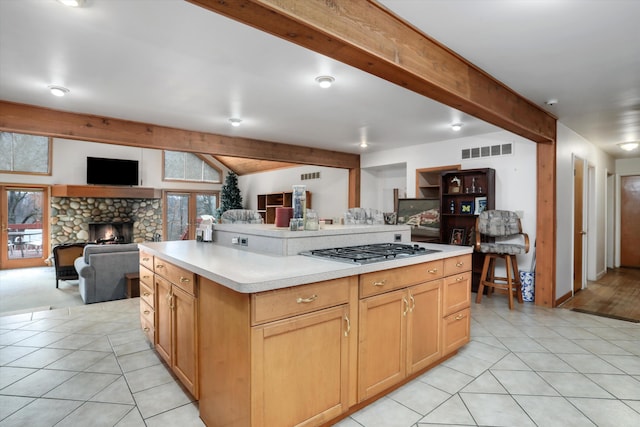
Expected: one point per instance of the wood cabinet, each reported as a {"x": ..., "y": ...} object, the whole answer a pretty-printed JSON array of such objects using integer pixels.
[
  {"x": 169, "y": 316},
  {"x": 399, "y": 330},
  {"x": 462, "y": 191},
  {"x": 267, "y": 204},
  {"x": 287, "y": 356},
  {"x": 456, "y": 326}
]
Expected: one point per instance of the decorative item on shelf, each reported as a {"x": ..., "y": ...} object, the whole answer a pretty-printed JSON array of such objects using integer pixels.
[
  {"x": 466, "y": 208},
  {"x": 457, "y": 236},
  {"x": 452, "y": 207},
  {"x": 390, "y": 218},
  {"x": 471, "y": 237},
  {"x": 299, "y": 201},
  {"x": 454, "y": 186},
  {"x": 481, "y": 205},
  {"x": 473, "y": 185}
]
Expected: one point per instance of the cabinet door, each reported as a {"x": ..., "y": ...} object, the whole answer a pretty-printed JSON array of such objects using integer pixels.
[
  {"x": 424, "y": 324},
  {"x": 300, "y": 369},
  {"x": 457, "y": 293},
  {"x": 456, "y": 331},
  {"x": 163, "y": 318},
  {"x": 382, "y": 349},
  {"x": 184, "y": 336}
]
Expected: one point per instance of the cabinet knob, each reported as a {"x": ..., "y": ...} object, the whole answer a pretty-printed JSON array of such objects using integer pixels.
[
  {"x": 312, "y": 298},
  {"x": 146, "y": 329},
  {"x": 146, "y": 294},
  {"x": 159, "y": 266},
  {"x": 460, "y": 279},
  {"x": 460, "y": 317},
  {"x": 146, "y": 312},
  {"x": 145, "y": 259},
  {"x": 459, "y": 264}
]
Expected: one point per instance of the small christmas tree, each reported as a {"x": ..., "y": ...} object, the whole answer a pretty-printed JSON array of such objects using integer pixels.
[{"x": 230, "y": 197}]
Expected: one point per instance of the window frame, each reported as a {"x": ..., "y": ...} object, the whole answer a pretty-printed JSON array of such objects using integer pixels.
[
  {"x": 199, "y": 156},
  {"x": 49, "y": 157}
]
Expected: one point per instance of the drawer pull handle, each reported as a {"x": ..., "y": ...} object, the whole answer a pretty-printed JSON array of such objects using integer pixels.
[
  {"x": 312, "y": 298},
  {"x": 146, "y": 277},
  {"x": 406, "y": 306},
  {"x": 145, "y": 294},
  {"x": 413, "y": 303},
  {"x": 146, "y": 312},
  {"x": 460, "y": 279},
  {"x": 460, "y": 317},
  {"x": 147, "y": 329},
  {"x": 159, "y": 266},
  {"x": 346, "y": 318},
  {"x": 459, "y": 264},
  {"x": 380, "y": 283},
  {"x": 184, "y": 280},
  {"x": 145, "y": 259},
  {"x": 432, "y": 271}
]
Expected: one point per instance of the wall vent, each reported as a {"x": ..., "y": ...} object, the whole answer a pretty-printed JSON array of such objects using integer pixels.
[
  {"x": 487, "y": 151},
  {"x": 312, "y": 175}
]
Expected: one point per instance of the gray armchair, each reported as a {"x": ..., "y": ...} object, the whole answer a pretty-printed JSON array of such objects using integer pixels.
[{"x": 101, "y": 271}]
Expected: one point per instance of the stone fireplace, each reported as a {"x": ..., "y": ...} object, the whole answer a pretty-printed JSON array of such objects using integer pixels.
[
  {"x": 110, "y": 232},
  {"x": 71, "y": 218}
]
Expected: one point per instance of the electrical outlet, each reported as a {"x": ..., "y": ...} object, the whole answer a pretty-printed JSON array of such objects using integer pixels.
[
  {"x": 235, "y": 240},
  {"x": 244, "y": 241},
  {"x": 397, "y": 237}
]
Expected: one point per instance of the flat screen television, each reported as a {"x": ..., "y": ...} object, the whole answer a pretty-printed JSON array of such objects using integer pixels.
[{"x": 101, "y": 171}]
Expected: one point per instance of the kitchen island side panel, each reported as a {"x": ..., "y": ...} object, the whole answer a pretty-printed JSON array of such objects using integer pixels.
[{"x": 225, "y": 363}]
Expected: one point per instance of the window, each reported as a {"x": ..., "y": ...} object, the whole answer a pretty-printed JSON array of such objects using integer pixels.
[
  {"x": 179, "y": 166},
  {"x": 23, "y": 153},
  {"x": 183, "y": 210}
]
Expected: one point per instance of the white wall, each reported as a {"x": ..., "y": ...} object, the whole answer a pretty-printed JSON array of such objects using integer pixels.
[
  {"x": 329, "y": 193},
  {"x": 69, "y": 166},
  {"x": 378, "y": 183},
  {"x": 569, "y": 145},
  {"x": 515, "y": 174}
]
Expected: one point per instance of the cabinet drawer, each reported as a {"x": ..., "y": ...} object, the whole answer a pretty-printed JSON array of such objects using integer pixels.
[
  {"x": 456, "y": 293},
  {"x": 180, "y": 277},
  {"x": 456, "y": 330},
  {"x": 146, "y": 312},
  {"x": 148, "y": 329},
  {"x": 457, "y": 264},
  {"x": 146, "y": 276},
  {"x": 378, "y": 282},
  {"x": 146, "y": 294},
  {"x": 146, "y": 259},
  {"x": 281, "y": 303}
]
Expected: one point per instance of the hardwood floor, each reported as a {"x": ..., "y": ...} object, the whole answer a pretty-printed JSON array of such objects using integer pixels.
[{"x": 616, "y": 294}]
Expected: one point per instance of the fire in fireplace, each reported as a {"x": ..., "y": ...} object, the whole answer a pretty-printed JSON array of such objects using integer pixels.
[{"x": 110, "y": 232}]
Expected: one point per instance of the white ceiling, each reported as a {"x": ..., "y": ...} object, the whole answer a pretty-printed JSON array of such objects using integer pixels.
[{"x": 171, "y": 63}]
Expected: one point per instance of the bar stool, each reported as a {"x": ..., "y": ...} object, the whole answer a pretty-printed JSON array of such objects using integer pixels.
[{"x": 504, "y": 239}]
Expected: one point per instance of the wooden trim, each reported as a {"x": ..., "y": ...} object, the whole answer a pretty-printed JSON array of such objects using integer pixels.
[
  {"x": 354, "y": 188},
  {"x": 104, "y": 192},
  {"x": 365, "y": 35},
  {"x": 563, "y": 298},
  {"x": 545, "y": 245},
  {"x": 43, "y": 121}
]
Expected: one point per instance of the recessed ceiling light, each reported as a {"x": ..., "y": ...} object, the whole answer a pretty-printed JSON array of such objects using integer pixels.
[
  {"x": 235, "y": 122},
  {"x": 58, "y": 90},
  {"x": 72, "y": 3},
  {"x": 456, "y": 126},
  {"x": 325, "y": 81},
  {"x": 628, "y": 146},
  {"x": 551, "y": 102},
  {"x": 363, "y": 144}
]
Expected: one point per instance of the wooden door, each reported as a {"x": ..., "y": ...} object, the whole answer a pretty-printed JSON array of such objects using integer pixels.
[
  {"x": 300, "y": 369},
  {"x": 423, "y": 325},
  {"x": 629, "y": 221},
  {"x": 382, "y": 350},
  {"x": 163, "y": 318},
  {"x": 24, "y": 229},
  {"x": 578, "y": 223},
  {"x": 184, "y": 339}
]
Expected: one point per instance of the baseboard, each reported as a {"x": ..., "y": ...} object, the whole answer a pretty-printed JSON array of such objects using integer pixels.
[{"x": 563, "y": 298}]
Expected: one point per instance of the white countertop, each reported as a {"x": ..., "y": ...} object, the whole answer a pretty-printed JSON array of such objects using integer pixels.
[{"x": 249, "y": 272}]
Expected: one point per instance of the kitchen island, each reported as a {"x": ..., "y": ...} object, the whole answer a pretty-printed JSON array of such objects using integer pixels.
[{"x": 264, "y": 339}]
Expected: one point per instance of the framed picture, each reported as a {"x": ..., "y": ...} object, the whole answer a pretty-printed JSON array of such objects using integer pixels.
[
  {"x": 457, "y": 237},
  {"x": 423, "y": 215},
  {"x": 466, "y": 208},
  {"x": 481, "y": 205}
]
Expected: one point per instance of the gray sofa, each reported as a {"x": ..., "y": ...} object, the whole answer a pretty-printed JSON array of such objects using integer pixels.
[{"x": 101, "y": 271}]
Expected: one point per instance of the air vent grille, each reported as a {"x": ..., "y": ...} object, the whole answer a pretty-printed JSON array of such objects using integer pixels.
[
  {"x": 312, "y": 175},
  {"x": 487, "y": 151}
]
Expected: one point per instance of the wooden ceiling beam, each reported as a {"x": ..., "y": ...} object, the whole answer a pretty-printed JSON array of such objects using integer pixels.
[
  {"x": 34, "y": 120},
  {"x": 364, "y": 34}
]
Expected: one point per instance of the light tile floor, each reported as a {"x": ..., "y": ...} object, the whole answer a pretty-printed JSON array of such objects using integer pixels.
[{"x": 91, "y": 366}]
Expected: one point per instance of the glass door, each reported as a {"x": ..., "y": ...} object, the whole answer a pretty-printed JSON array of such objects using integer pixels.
[
  {"x": 23, "y": 226},
  {"x": 182, "y": 211}
]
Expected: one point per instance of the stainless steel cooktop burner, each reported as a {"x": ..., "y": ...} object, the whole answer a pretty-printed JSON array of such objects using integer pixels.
[{"x": 365, "y": 254}]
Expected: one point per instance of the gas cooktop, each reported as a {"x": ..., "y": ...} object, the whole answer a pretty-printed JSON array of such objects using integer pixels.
[{"x": 365, "y": 254}]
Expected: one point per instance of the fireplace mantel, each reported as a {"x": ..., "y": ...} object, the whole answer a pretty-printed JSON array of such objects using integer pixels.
[{"x": 99, "y": 191}]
